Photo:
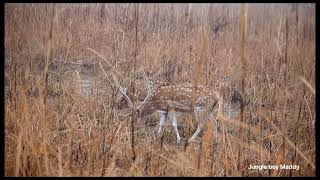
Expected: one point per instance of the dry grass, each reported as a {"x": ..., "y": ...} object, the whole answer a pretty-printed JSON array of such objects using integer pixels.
[{"x": 60, "y": 115}]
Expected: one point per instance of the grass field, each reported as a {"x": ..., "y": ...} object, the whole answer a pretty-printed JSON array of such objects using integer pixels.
[{"x": 60, "y": 109}]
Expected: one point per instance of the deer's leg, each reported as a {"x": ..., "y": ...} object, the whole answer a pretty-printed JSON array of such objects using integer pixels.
[
  {"x": 208, "y": 113},
  {"x": 175, "y": 126},
  {"x": 195, "y": 135},
  {"x": 156, "y": 128},
  {"x": 215, "y": 128},
  {"x": 162, "y": 121}
]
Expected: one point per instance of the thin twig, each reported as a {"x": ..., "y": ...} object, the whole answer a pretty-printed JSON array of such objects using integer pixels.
[
  {"x": 101, "y": 57},
  {"x": 308, "y": 85},
  {"x": 122, "y": 91},
  {"x": 104, "y": 72},
  {"x": 304, "y": 157},
  {"x": 149, "y": 91}
]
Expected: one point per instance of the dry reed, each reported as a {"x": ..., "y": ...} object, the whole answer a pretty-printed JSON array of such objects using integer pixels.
[{"x": 61, "y": 62}]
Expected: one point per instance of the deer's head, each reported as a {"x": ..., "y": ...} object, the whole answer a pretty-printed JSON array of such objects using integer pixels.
[
  {"x": 138, "y": 90},
  {"x": 232, "y": 100}
]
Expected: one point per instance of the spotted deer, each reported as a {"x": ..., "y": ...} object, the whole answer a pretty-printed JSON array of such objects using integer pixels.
[
  {"x": 200, "y": 100},
  {"x": 184, "y": 98}
]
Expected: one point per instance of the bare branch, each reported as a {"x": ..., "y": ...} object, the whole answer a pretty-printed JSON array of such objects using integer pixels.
[
  {"x": 308, "y": 85},
  {"x": 102, "y": 57},
  {"x": 122, "y": 91},
  {"x": 149, "y": 91},
  {"x": 104, "y": 72},
  {"x": 116, "y": 82}
]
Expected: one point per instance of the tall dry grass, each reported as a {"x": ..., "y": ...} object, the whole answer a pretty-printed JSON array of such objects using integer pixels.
[{"x": 74, "y": 129}]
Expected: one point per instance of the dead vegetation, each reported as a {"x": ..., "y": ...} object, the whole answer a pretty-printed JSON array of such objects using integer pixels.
[{"x": 60, "y": 112}]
